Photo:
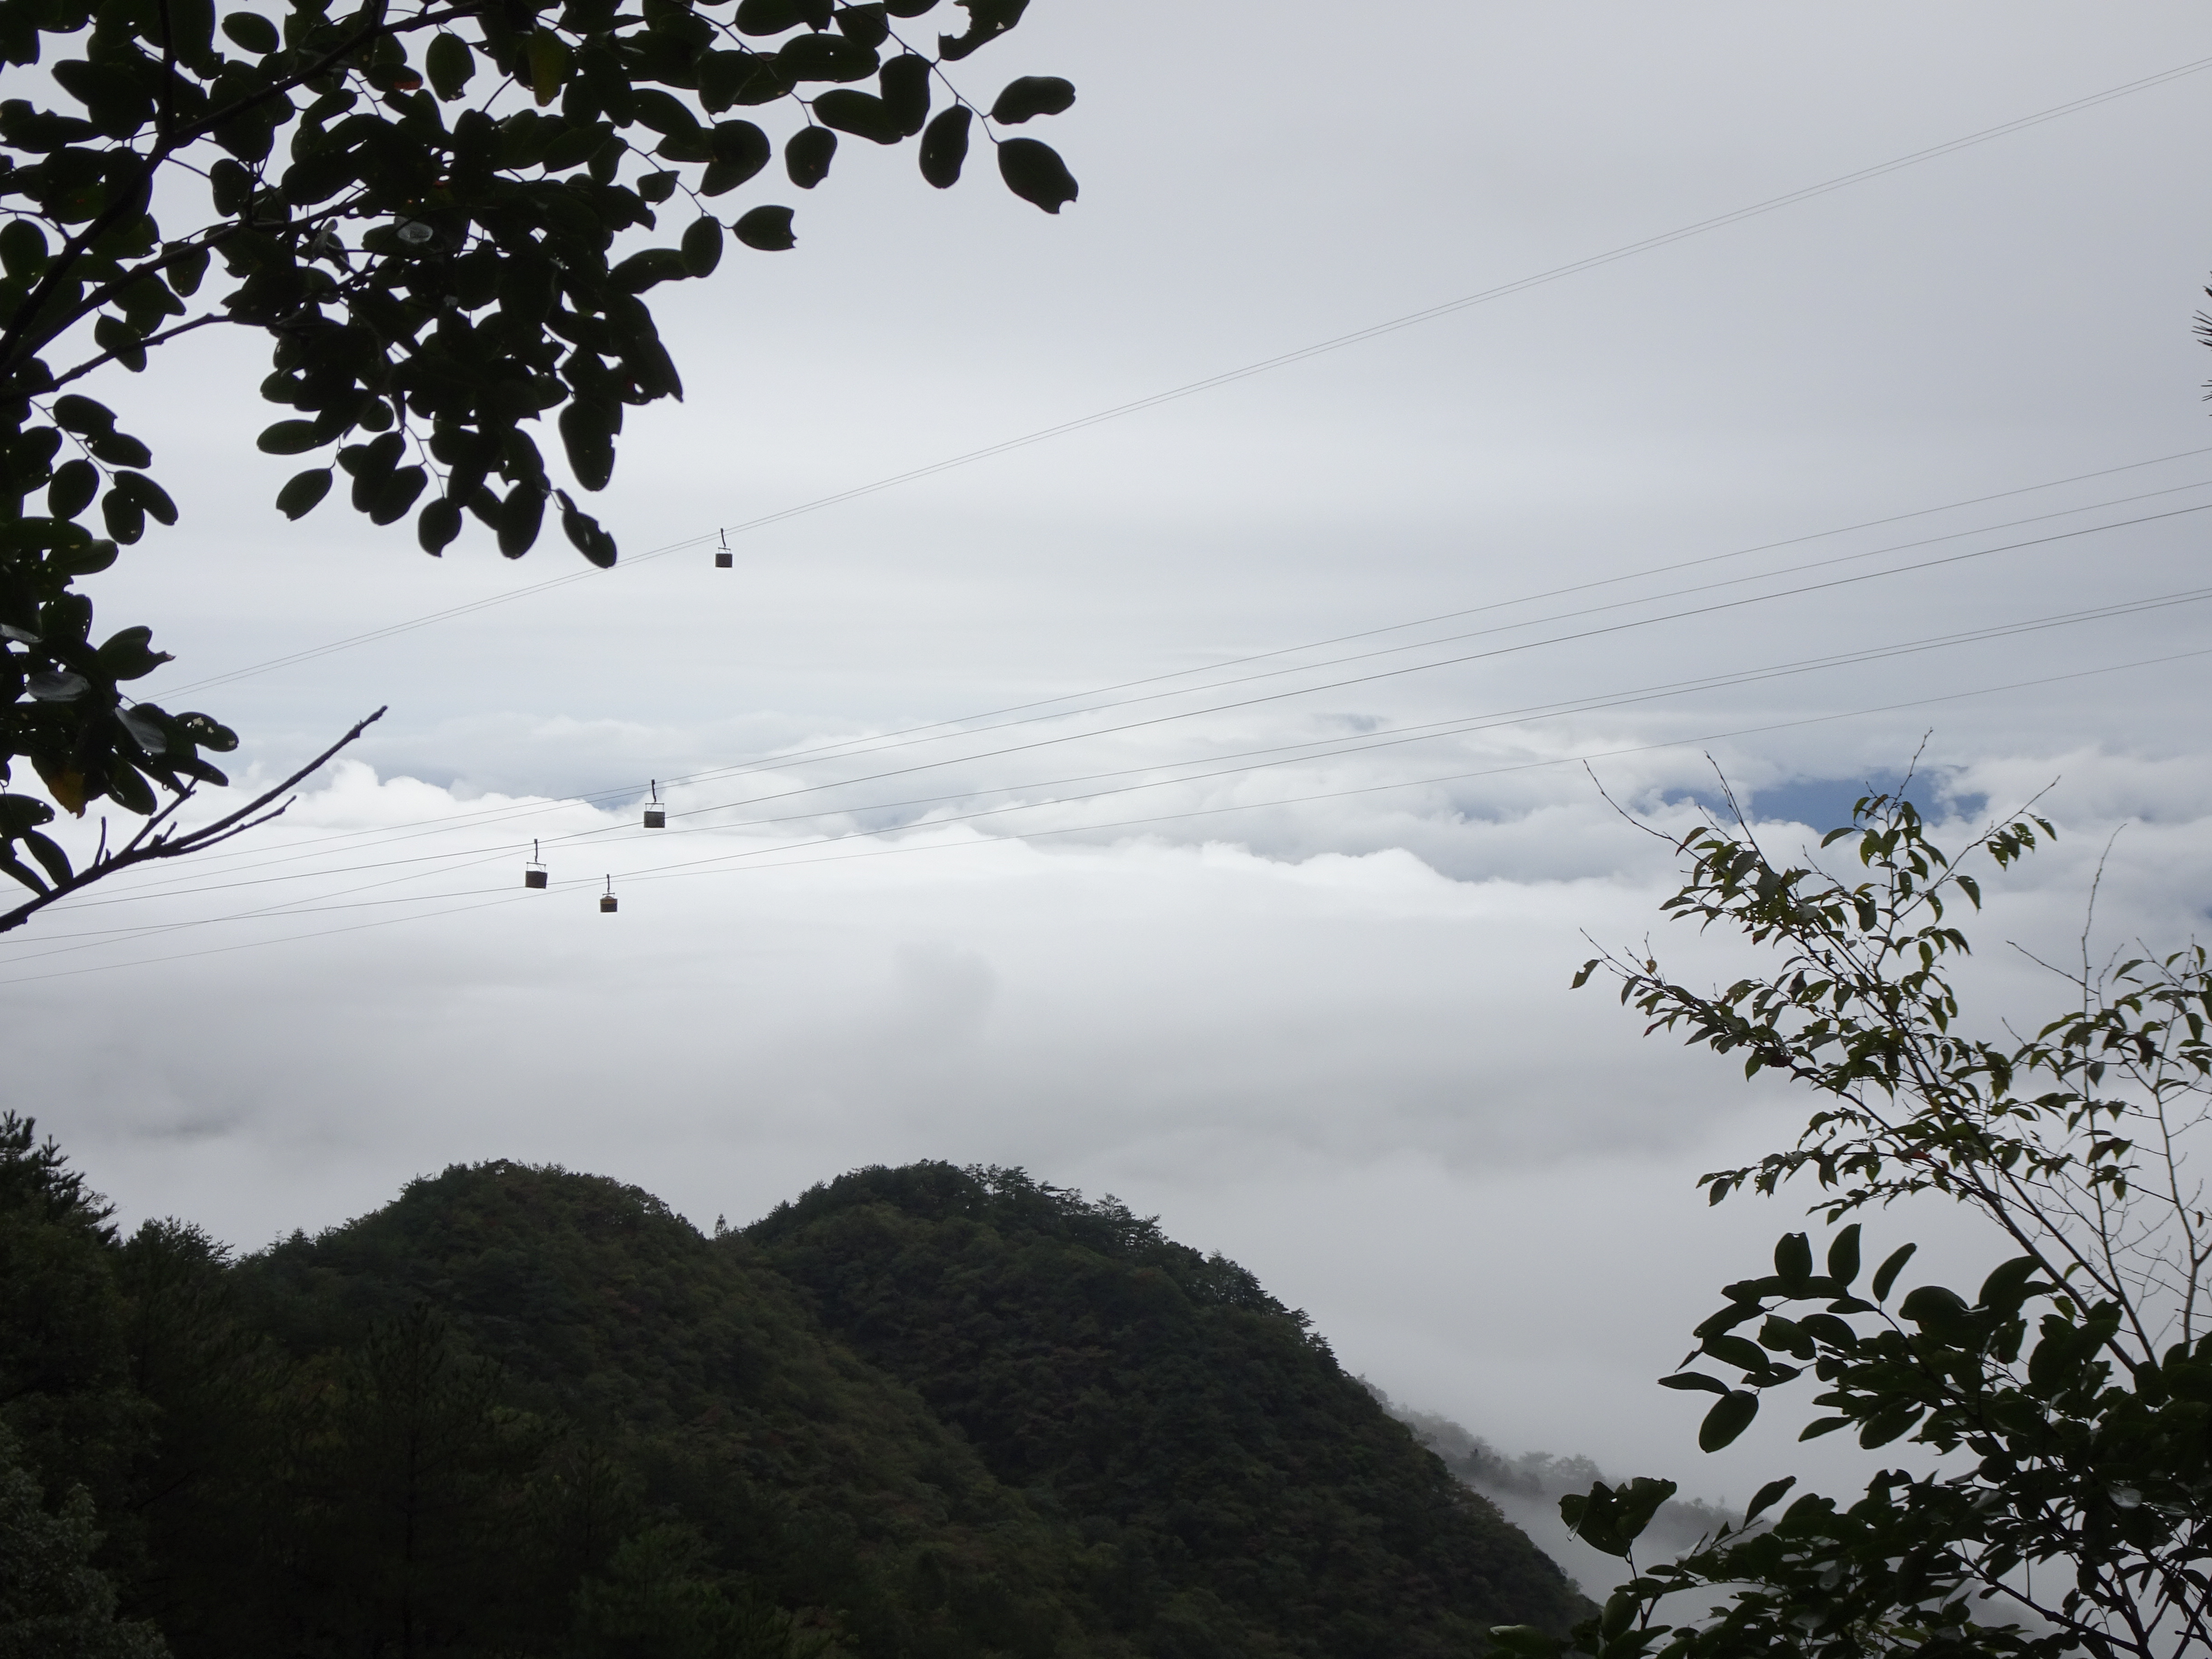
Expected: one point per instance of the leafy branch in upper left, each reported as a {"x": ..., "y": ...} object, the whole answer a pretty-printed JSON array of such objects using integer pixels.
[{"x": 440, "y": 215}]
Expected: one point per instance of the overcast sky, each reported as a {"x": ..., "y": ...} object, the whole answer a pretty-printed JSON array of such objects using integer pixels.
[{"x": 1282, "y": 959}]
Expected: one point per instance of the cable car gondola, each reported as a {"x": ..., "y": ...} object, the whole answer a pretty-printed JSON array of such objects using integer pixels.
[
  {"x": 607, "y": 904},
  {"x": 533, "y": 873},
  {"x": 723, "y": 557},
  {"x": 656, "y": 815}
]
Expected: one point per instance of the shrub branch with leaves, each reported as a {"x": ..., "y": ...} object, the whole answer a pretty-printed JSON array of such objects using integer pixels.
[
  {"x": 436, "y": 213},
  {"x": 2063, "y": 1414}
]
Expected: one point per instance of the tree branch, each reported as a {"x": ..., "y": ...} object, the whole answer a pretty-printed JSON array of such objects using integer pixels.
[{"x": 147, "y": 845}]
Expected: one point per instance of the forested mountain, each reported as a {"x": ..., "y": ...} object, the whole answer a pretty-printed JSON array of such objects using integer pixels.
[{"x": 517, "y": 1412}]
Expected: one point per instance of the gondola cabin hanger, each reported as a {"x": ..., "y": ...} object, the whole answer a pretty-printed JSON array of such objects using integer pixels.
[
  {"x": 607, "y": 902},
  {"x": 656, "y": 815},
  {"x": 533, "y": 873},
  {"x": 723, "y": 557}
]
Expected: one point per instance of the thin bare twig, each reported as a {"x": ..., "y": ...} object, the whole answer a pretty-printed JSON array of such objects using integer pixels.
[{"x": 152, "y": 843}]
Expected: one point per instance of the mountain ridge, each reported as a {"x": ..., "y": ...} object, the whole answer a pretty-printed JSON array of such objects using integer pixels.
[{"x": 918, "y": 1412}]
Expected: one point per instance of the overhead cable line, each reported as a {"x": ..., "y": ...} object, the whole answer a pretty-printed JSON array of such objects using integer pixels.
[
  {"x": 1538, "y": 622},
  {"x": 1170, "y": 817},
  {"x": 995, "y": 812},
  {"x": 1329, "y": 748},
  {"x": 1229, "y": 377},
  {"x": 946, "y": 731},
  {"x": 1461, "y": 661},
  {"x": 1485, "y": 772}
]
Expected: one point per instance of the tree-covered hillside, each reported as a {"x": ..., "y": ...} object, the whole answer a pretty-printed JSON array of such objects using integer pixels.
[
  {"x": 1238, "y": 1491},
  {"x": 520, "y": 1411}
]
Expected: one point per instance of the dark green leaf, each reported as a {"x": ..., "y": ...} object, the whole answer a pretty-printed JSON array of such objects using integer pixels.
[
  {"x": 395, "y": 495},
  {"x": 289, "y": 438},
  {"x": 589, "y": 438},
  {"x": 1843, "y": 1255},
  {"x": 23, "y": 250},
  {"x": 647, "y": 267},
  {"x": 987, "y": 21},
  {"x": 115, "y": 100},
  {"x": 119, "y": 449},
  {"x": 702, "y": 247},
  {"x": 741, "y": 150},
  {"x": 121, "y": 342},
  {"x": 253, "y": 31},
  {"x": 722, "y": 76},
  {"x": 21, "y": 812},
  {"x": 944, "y": 147},
  {"x": 1032, "y": 96},
  {"x": 125, "y": 517},
  {"x": 86, "y": 559},
  {"x": 1886, "y": 1425},
  {"x": 766, "y": 83},
  {"x": 866, "y": 24},
  {"x": 1694, "y": 1380},
  {"x": 767, "y": 228},
  {"x": 1636, "y": 1502},
  {"x": 825, "y": 58},
  {"x": 1826, "y": 1327},
  {"x": 860, "y": 113},
  {"x": 144, "y": 729},
  {"x": 1766, "y": 1496},
  {"x": 231, "y": 186},
  {"x": 807, "y": 155},
  {"x": 551, "y": 61},
  {"x": 81, "y": 416},
  {"x": 148, "y": 495},
  {"x": 905, "y": 86},
  {"x": 584, "y": 532},
  {"x": 520, "y": 516},
  {"x": 1886, "y": 1276},
  {"x": 74, "y": 483},
  {"x": 2056, "y": 1358},
  {"x": 129, "y": 790},
  {"x": 1739, "y": 1351},
  {"x": 2005, "y": 1289},
  {"x": 129, "y": 655},
  {"x": 209, "y": 734},
  {"x": 1035, "y": 172},
  {"x": 664, "y": 112},
  {"x": 302, "y": 492},
  {"x": 187, "y": 271},
  {"x": 49, "y": 854},
  {"x": 1729, "y": 1417},
  {"x": 1620, "y": 1610},
  {"x": 776, "y": 16},
  {"x": 1932, "y": 1304},
  {"x": 450, "y": 65},
  {"x": 576, "y": 146},
  {"x": 437, "y": 526},
  {"x": 1793, "y": 1259}
]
